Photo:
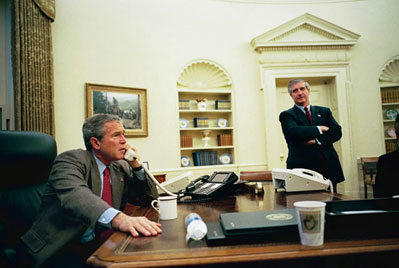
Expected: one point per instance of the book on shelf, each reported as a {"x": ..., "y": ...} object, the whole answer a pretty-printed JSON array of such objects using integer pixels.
[
  {"x": 390, "y": 146},
  {"x": 225, "y": 140},
  {"x": 184, "y": 104},
  {"x": 200, "y": 121},
  {"x": 390, "y": 95},
  {"x": 205, "y": 158},
  {"x": 186, "y": 141},
  {"x": 222, "y": 104}
]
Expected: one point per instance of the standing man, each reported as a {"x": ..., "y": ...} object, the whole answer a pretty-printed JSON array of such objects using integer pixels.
[
  {"x": 310, "y": 132},
  {"x": 84, "y": 197},
  {"x": 387, "y": 180}
]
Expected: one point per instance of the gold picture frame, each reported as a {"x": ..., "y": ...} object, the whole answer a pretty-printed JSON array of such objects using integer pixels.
[{"x": 130, "y": 104}]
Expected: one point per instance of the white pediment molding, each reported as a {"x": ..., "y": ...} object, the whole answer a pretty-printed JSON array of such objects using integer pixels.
[{"x": 305, "y": 31}]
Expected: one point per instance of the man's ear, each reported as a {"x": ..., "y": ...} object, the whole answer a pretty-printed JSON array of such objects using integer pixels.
[{"x": 95, "y": 143}]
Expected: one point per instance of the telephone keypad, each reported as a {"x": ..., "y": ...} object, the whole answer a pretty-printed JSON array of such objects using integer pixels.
[
  {"x": 210, "y": 186},
  {"x": 207, "y": 188}
]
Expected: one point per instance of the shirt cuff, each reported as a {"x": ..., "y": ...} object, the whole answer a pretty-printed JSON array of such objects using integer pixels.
[
  {"x": 318, "y": 142},
  {"x": 321, "y": 132},
  {"x": 140, "y": 174},
  {"x": 107, "y": 216}
]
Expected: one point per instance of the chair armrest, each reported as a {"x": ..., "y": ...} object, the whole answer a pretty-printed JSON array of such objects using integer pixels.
[{"x": 256, "y": 176}]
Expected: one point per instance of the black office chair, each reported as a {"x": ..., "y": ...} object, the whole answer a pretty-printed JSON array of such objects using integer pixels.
[{"x": 26, "y": 159}]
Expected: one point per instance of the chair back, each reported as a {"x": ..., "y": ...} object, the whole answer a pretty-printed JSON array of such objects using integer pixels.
[
  {"x": 26, "y": 157},
  {"x": 369, "y": 167}
]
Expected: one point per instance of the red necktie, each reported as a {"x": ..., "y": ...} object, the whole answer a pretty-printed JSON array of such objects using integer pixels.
[
  {"x": 107, "y": 189},
  {"x": 107, "y": 197},
  {"x": 308, "y": 114}
]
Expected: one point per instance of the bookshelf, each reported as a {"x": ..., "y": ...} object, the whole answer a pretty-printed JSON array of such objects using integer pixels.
[
  {"x": 206, "y": 123},
  {"x": 390, "y": 107}
]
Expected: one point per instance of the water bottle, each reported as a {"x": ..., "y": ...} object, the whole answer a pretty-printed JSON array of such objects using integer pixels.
[{"x": 196, "y": 228}]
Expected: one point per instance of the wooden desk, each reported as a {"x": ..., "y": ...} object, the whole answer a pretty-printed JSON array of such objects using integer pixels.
[{"x": 170, "y": 249}]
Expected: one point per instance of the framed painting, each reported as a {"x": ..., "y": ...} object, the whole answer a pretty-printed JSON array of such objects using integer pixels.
[{"x": 130, "y": 104}]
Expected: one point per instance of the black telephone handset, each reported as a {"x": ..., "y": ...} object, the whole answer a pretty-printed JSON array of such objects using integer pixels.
[{"x": 209, "y": 186}]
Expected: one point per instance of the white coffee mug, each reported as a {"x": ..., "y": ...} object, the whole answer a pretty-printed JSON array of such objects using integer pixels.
[{"x": 166, "y": 206}]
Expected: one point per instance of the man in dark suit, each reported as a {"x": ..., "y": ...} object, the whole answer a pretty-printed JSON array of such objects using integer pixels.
[
  {"x": 310, "y": 132},
  {"x": 387, "y": 180},
  {"x": 84, "y": 197}
]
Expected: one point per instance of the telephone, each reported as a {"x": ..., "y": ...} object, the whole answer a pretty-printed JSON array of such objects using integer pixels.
[
  {"x": 299, "y": 179},
  {"x": 209, "y": 186},
  {"x": 130, "y": 155}
]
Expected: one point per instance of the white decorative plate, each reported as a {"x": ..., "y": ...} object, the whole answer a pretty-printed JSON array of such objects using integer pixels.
[
  {"x": 185, "y": 161},
  {"x": 391, "y": 114},
  {"x": 222, "y": 122},
  {"x": 225, "y": 159},
  {"x": 183, "y": 123}
]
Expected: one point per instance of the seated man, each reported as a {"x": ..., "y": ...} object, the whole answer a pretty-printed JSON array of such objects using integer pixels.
[
  {"x": 84, "y": 197},
  {"x": 387, "y": 180}
]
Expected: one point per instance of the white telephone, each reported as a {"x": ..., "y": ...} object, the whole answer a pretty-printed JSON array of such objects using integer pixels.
[
  {"x": 299, "y": 179},
  {"x": 131, "y": 155}
]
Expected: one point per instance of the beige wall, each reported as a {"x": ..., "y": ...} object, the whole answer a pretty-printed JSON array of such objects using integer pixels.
[{"x": 145, "y": 44}]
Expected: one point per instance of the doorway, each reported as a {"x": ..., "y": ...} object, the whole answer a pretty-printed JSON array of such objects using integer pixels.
[
  {"x": 322, "y": 93},
  {"x": 329, "y": 88}
]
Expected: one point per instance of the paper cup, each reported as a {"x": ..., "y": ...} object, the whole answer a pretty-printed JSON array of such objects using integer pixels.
[{"x": 310, "y": 216}]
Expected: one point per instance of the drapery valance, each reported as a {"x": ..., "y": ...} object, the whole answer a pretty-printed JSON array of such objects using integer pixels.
[{"x": 47, "y": 7}]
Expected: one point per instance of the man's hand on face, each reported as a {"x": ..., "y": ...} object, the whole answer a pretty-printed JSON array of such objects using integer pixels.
[
  {"x": 135, "y": 163},
  {"x": 136, "y": 225}
]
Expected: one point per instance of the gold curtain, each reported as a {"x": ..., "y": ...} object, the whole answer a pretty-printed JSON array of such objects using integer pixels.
[{"x": 33, "y": 65}]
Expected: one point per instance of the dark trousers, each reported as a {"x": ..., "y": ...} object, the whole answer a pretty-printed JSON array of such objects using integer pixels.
[
  {"x": 73, "y": 254},
  {"x": 324, "y": 170}
]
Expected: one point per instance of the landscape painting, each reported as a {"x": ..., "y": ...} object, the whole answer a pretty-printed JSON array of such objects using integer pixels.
[{"x": 130, "y": 104}]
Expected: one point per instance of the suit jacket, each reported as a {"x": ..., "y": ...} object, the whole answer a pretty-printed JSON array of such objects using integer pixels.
[
  {"x": 387, "y": 180},
  {"x": 297, "y": 130},
  {"x": 72, "y": 201}
]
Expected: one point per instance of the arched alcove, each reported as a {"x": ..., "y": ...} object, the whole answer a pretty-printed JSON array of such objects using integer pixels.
[
  {"x": 206, "y": 130},
  {"x": 203, "y": 74},
  {"x": 389, "y": 87},
  {"x": 390, "y": 71}
]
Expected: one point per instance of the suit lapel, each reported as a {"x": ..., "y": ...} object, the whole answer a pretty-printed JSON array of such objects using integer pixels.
[
  {"x": 96, "y": 178},
  {"x": 317, "y": 116},
  {"x": 117, "y": 181},
  {"x": 301, "y": 116}
]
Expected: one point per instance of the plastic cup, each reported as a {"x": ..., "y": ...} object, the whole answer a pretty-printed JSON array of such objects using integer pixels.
[{"x": 310, "y": 215}]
